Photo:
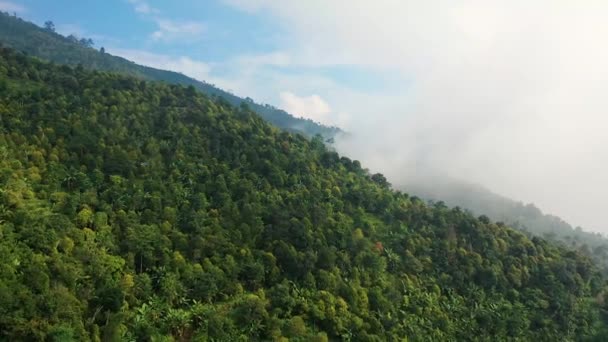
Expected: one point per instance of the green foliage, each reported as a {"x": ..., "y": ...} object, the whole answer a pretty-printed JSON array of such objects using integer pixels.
[
  {"x": 525, "y": 217},
  {"x": 143, "y": 211}
]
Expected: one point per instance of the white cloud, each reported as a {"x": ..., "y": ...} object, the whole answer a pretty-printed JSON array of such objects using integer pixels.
[
  {"x": 143, "y": 7},
  {"x": 193, "y": 68},
  {"x": 309, "y": 107},
  {"x": 509, "y": 94},
  {"x": 169, "y": 30},
  {"x": 10, "y": 7}
]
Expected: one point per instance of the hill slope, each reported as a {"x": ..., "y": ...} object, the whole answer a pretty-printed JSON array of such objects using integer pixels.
[
  {"x": 36, "y": 41},
  {"x": 526, "y": 217},
  {"x": 133, "y": 210}
]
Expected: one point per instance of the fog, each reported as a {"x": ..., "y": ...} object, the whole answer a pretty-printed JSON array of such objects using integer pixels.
[{"x": 511, "y": 95}]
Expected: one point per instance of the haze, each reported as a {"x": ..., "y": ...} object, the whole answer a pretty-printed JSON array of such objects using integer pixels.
[{"x": 507, "y": 94}]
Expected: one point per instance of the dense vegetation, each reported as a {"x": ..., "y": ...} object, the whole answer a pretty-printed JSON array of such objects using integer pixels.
[
  {"x": 135, "y": 211},
  {"x": 526, "y": 217},
  {"x": 46, "y": 44}
]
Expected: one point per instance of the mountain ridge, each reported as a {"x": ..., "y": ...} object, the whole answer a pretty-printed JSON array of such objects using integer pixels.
[
  {"x": 27, "y": 37},
  {"x": 526, "y": 217}
]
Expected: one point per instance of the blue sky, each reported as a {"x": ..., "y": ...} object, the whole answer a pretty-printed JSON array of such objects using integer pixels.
[
  {"x": 507, "y": 94},
  {"x": 223, "y": 31}
]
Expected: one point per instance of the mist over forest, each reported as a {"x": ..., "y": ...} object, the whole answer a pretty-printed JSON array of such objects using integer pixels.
[
  {"x": 228, "y": 171},
  {"x": 508, "y": 95}
]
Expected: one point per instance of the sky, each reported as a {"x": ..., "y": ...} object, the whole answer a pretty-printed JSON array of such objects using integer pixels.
[{"x": 508, "y": 94}]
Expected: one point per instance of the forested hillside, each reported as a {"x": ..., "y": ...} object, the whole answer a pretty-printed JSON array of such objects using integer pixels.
[
  {"x": 526, "y": 217},
  {"x": 46, "y": 44},
  {"x": 132, "y": 210}
]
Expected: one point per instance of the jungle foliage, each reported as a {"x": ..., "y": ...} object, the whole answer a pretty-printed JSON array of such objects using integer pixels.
[{"x": 132, "y": 210}]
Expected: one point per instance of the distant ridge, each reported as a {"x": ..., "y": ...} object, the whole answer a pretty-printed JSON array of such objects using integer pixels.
[
  {"x": 49, "y": 45},
  {"x": 525, "y": 217}
]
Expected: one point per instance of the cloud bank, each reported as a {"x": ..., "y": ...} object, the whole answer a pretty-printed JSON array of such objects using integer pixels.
[
  {"x": 310, "y": 107},
  {"x": 508, "y": 94}
]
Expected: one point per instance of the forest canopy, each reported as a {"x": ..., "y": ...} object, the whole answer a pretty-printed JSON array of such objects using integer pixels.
[{"x": 132, "y": 210}]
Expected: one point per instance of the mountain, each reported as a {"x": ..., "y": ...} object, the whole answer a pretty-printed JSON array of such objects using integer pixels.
[
  {"x": 134, "y": 210},
  {"x": 46, "y": 44},
  {"x": 526, "y": 217}
]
